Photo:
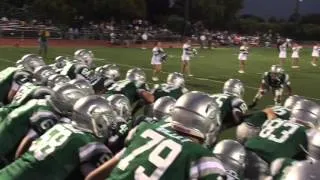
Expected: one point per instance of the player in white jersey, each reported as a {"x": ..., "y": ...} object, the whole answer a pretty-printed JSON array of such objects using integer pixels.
[
  {"x": 295, "y": 55},
  {"x": 185, "y": 58},
  {"x": 283, "y": 52},
  {"x": 156, "y": 61},
  {"x": 315, "y": 54},
  {"x": 243, "y": 56}
]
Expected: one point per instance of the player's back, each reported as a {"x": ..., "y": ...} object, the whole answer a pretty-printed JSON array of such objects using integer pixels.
[
  {"x": 279, "y": 138},
  {"x": 156, "y": 151},
  {"x": 53, "y": 156}
]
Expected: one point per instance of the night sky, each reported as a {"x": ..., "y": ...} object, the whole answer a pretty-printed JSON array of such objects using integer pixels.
[{"x": 279, "y": 8}]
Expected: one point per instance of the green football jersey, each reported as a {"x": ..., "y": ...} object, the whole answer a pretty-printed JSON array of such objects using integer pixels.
[
  {"x": 167, "y": 90},
  {"x": 228, "y": 103},
  {"x": 6, "y": 78},
  {"x": 55, "y": 155},
  {"x": 279, "y": 139},
  {"x": 156, "y": 151},
  {"x": 17, "y": 124},
  {"x": 127, "y": 88},
  {"x": 23, "y": 95}
]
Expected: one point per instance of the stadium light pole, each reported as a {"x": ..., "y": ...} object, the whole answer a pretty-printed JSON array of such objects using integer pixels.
[{"x": 297, "y": 10}]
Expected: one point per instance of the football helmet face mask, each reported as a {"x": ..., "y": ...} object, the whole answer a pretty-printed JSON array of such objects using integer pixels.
[
  {"x": 197, "y": 114},
  {"x": 84, "y": 85},
  {"x": 31, "y": 61},
  {"x": 93, "y": 114},
  {"x": 121, "y": 105},
  {"x": 306, "y": 112},
  {"x": 163, "y": 107},
  {"x": 176, "y": 80},
  {"x": 64, "y": 97},
  {"x": 291, "y": 101},
  {"x": 232, "y": 154},
  {"x": 234, "y": 87},
  {"x": 84, "y": 56},
  {"x": 136, "y": 75}
]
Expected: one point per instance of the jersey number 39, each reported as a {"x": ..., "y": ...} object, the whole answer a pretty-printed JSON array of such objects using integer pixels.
[{"x": 159, "y": 143}]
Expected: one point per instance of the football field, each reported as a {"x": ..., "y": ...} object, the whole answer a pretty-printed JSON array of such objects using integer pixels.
[{"x": 211, "y": 68}]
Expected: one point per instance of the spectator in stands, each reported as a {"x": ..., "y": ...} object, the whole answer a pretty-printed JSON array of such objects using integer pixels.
[{"x": 43, "y": 42}]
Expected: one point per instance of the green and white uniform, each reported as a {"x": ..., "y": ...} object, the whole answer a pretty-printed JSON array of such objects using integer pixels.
[
  {"x": 75, "y": 70},
  {"x": 127, "y": 88},
  {"x": 231, "y": 107},
  {"x": 279, "y": 139},
  {"x": 6, "y": 79},
  {"x": 56, "y": 154},
  {"x": 257, "y": 119},
  {"x": 17, "y": 124},
  {"x": 156, "y": 151},
  {"x": 168, "y": 90},
  {"x": 22, "y": 96}
]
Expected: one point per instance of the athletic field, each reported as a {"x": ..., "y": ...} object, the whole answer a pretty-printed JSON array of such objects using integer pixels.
[{"x": 211, "y": 68}]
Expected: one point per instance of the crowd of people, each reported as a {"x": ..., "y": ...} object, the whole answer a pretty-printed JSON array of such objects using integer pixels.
[{"x": 73, "y": 120}]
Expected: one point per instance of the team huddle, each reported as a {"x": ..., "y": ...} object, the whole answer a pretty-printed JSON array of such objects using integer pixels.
[{"x": 72, "y": 120}]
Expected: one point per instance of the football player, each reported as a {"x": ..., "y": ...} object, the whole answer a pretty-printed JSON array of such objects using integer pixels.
[
  {"x": 104, "y": 77},
  {"x": 161, "y": 109},
  {"x": 67, "y": 147},
  {"x": 230, "y": 102},
  {"x": 81, "y": 67},
  {"x": 233, "y": 156},
  {"x": 59, "y": 63},
  {"x": 19, "y": 123},
  {"x": 279, "y": 167},
  {"x": 275, "y": 80},
  {"x": 280, "y": 138},
  {"x": 171, "y": 150},
  {"x": 251, "y": 125},
  {"x": 133, "y": 87},
  {"x": 175, "y": 87}
]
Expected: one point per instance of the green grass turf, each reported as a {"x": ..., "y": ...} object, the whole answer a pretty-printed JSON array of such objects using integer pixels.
[{"x": 216, "y": 66}]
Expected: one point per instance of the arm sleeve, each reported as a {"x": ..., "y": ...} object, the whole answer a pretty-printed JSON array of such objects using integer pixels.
[{"x": 92, "y": 156}]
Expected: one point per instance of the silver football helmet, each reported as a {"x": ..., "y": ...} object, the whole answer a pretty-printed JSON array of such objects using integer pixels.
[
  {"x": 136, "y": 75},
  {"x": 60, "y": 61},
  {"x": 57, "y": 79},
  {"x": 111, "y": 71},
  {"x": 234, "y": 87},
  {"x": 176, "y": 80},
  {"x": 304, "y": 170},
  {"x": 314, "y": 144},
  {"x": 93, "y": 114},
  {"x": 84, "y": 56},
  {"x": 233, "y": 156},
  {"x": 276, "y": 69},
  {"x": 291, "y": 101},
  {"x": 32, "y": 61},
  {"x": 42, "y": 74},
  {"x": 245, "y": 131},
  {"x": 64, "y": 97},
  {"x": 163, "y": 107},
  {"x": 121, "y": 105},
  {"x": 197, "y": 114},
  {"x": 306, "y": 112},
  {"x": 84, "y": 85},
  {"x": 19, "y": 64}
]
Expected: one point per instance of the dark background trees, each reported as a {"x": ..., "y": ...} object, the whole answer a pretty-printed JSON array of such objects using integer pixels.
[{"x": 213, "y": 14}]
